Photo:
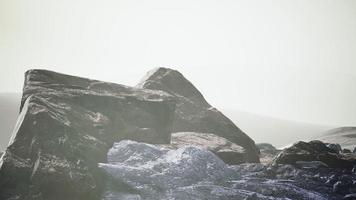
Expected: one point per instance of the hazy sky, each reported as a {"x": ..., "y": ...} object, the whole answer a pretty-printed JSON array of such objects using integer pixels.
[{"x": 288, "y": 59}]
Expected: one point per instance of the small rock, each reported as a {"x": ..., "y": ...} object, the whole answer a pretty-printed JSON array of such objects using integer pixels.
[
  {"x": 341, "y": 187},
  {"x": 336, "y": 147},
  {"x": 350, "y": 197},
  {"x": 331, "y": 180},
  {"x": 346, "y": 151},
  {"x": 252, "y": 197}
]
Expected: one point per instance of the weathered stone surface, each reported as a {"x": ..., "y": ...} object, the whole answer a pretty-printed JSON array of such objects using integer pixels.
[
  {"x": 267, "y": 152},
  {"x": 315, "y": 151},
  {"x": 229, "y": 152},
  {"x": 152, "y": 172},
  {"x": 194, "y": 113},
  {"x": 66, "y": 126}
]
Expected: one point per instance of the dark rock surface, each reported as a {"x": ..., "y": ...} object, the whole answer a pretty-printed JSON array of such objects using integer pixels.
[
  {"x": 315, "y": 151},
  {"x": 66, "y": 126},
  {"x": 194, "y": 113},
  {"x": 227, "y": 151},
  {"x": 190, "y": 173}
]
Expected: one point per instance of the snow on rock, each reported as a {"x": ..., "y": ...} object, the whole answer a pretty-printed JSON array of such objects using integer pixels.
[{"x": 150, "y": 172}]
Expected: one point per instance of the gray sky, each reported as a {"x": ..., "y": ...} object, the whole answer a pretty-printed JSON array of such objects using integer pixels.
[{"x": 289, "y": 59}]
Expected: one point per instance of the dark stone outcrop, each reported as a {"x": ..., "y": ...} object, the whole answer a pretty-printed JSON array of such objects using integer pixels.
[
  {"x": 315, "y": 151},
  {"x": 66, "y": 126},
  {"x": 194, "y": 113},
  {"x": 227, "y": 151}
]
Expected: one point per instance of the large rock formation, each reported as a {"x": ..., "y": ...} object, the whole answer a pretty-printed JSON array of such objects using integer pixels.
[
  {"x": 66, "y": 126},
  {"x": 227, "y": 151},
  {"x": 315, "y": 151},
  {"x": 193, "y": 113}
]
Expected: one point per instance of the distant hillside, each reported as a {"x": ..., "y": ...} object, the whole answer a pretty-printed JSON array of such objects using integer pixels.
[
  {"x": 9, "y": 107},
  {"x": 345, "y": 136},
  {"x": 279, "y": 132}
]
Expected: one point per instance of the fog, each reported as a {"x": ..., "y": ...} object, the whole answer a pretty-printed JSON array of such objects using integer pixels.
[{"x": 288, "y": 59}]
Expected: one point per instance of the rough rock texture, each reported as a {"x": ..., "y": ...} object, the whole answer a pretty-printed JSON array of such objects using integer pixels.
[
  {"x": 345, "y": 136},
  {"x": 144, "y": 171},
  {"x": 194, "y": 113},
  {"x": 315, "y": 151},
  {"x": 229, "y": 152},
  {"x": 66, "y": 126},
  {"x": 267, "y": 152}
]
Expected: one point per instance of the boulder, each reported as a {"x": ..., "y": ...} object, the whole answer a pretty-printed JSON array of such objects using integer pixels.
[
  {"x": 193, "y": 113},
  {"x": 229, "y": 152},
  {"x": 267, "y": 152},
  {"x": 67, "y": 125},
  {"x": 336, "y": 147},
  {"x": 315, "y": 151}
]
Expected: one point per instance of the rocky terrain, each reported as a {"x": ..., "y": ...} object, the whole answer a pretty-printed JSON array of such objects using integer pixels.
[
  {"x": 67, "y": 125},
  {"x": 82, "y": 139},
  {"x": 267, "y": 152},
  {"x": 144, "y": 171}
]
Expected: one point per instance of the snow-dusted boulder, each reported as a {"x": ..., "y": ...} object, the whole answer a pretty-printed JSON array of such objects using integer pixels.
[
  {"x": 194, "y": 113},
  {"x": 66, "y": 126}
]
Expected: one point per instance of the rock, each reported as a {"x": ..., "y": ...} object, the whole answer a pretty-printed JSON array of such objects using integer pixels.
[
  {"x": 315, "y": 151},
  {"x": 229, "y": 152},
  {"x": 346, "y": 151},
  {"x": 354, "y": 151},
  {"x": 66, "y": 126},
  {"x": 253, "y": 196},
  {"x": 194, "y": 113},
  {"x": 341, "y": 187},
  {"x": 151, "y": 172},
  {"x": 267, "y": 148},
  {"x": 267, "y": 152},
  {"x": 336, "y": 147},
  {"x": 310, "y": 164},
  {"x": 163, "y": 169},
  {"x": 331, "y": 180},
  {"x": 350, "y": 197}
]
